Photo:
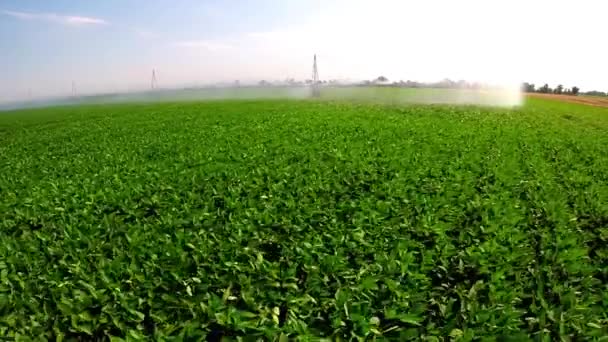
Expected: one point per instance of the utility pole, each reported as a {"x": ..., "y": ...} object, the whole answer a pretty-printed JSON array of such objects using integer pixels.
[
  {"x": 154, "y": 81},
  {"x": 315, "y": 78}
]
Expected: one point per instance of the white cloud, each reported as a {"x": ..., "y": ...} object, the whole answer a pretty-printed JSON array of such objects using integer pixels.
[
  {"x": 76, "y": 20},
  {"x": 70, "y": 20},
  {"x": 203, "y": 44}
]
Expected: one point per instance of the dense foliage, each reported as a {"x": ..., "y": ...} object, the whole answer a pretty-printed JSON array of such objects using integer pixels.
[
  {"x": 285, "y": 219},
  {"x": 545, "y": 89}
]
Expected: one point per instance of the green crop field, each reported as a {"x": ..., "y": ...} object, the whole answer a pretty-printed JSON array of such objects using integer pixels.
[{"x": 296, "y": 219}]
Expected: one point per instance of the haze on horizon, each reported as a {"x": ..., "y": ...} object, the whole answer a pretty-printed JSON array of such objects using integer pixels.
[{"x": 112, "y": 46}]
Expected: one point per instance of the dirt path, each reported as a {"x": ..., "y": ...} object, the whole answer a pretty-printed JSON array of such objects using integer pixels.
[{"x": 588, "y": 100}]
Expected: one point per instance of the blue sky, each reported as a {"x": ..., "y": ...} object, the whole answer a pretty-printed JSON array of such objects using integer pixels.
[
  {"x": 47, "y": 44},
  {"x": 112, "y": 45}
]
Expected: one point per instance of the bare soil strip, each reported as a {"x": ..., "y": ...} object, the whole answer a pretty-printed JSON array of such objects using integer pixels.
[{"x": 588, "y": 100}]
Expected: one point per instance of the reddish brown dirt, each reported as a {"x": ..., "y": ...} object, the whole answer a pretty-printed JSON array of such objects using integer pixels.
[{"x": 588, "y": 100}]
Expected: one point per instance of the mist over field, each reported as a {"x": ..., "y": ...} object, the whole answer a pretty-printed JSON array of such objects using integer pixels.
[{"x": 501, "y": 97}]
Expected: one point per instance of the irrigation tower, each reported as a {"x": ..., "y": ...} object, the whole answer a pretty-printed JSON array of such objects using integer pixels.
[
  {"x": 315, "y": 79},
  {"x": 153, "y": 82}
]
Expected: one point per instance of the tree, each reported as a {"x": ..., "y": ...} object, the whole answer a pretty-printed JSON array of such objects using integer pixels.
[
  {"x": 596, "y": 93},
  {"x": 559, "y": 89},
  {"x": 544, "y": 89},
  {"x": 381, "y": 79},
  {"x": 528, "y": 87},
  {"x": 446, "y": 83},
  {"x": 575, "y": 90}
]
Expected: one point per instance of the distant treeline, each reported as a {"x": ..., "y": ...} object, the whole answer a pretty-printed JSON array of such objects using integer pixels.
[
  {"x": 545, "y": 89},
  {"x": 445, "y": 83},
  {"x": 560, "y": 90},
  {"x": 596, "y": 93},
  {"x": 382, "y": 81}
]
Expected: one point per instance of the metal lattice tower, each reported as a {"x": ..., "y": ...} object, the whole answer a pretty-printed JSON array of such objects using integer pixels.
[
  {"x": 73, "y": 88},
  {"x": 154, "y": 81},
  {"x": 315, "y": 78}
]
